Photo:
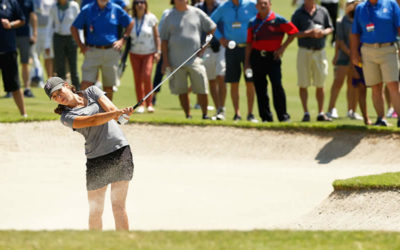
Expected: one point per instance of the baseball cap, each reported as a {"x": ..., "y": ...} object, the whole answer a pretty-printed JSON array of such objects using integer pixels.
[{"x": 53, "y": 84}]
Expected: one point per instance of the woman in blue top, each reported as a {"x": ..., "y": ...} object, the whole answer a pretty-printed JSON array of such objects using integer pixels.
[{"x": 109, "y": 158}]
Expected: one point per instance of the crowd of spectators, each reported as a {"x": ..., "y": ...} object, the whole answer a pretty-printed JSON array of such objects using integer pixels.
[{"x": 248, "y": 40}]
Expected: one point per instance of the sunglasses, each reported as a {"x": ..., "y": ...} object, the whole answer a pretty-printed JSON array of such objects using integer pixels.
[{"x": 139, "y": 2}]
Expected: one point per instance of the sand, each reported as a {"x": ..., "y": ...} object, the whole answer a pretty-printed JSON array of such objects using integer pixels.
[{"x": 201, "y": 178}]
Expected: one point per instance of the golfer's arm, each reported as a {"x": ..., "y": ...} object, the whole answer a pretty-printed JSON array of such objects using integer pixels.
[
  {"x": 106, "y": 104},
  {"x": 95, "y": 120}
]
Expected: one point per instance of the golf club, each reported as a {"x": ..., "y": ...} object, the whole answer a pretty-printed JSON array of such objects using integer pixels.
[{"x": 122, "y": 119}]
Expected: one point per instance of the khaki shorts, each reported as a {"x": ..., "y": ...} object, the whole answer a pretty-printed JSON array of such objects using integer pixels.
[
  {"x": 178, "y": 83},
  {"x": 380, "y": 64},
  {"x": 312, "y": 68},
  {"x": 214, "y": 63},
  {"x": 104, "y": 59}
]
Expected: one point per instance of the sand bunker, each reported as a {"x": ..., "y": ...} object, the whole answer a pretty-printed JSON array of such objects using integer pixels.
[{"x": 195, "y": 178}]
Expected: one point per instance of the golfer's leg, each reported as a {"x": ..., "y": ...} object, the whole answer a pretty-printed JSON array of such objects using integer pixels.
[
  {"x": 96, "y": 208},
  {"x": 119, "y": 191}
]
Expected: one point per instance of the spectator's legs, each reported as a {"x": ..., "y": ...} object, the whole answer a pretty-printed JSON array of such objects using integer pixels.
[
  {"x": 185, "y": 103},
  {"x": 394, "y": 95},
  {"x": 146, "y": 78},
  {"x": 279, "y": 95},
  {"x": 60, "y": 53},
  {"x": 250, "y": 90},
  {"x": 304, "y": 97},
  {"x": 260, "y": 68},
  {"x": 137, "y": 66},
  {"x": 19, "y": 101},
  {"x": 72, "y": 52},
  {"x": 221, "y": 91},
  {"x": 377, "y": 99},
  {"x": 25, "y": 75},
  {"x": 203, "y": 101},
  {"x": 362, "y": 100},
  {"x": 320, "y": 95},
  {"x": 340, "y": 74},
  {"x": 214, "y": 92},
  {"x": 235, "y": 97},
  {"x": 352, "y": 92},
  {"x": 48, "y": 64}
]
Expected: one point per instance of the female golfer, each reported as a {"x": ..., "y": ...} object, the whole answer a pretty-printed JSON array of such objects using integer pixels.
[{"x": 109, "y": 158}]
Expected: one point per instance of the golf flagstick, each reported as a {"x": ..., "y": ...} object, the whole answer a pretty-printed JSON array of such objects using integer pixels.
[{"x": 123, "y": 120}]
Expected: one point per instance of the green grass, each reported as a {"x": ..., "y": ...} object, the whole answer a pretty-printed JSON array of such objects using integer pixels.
[
  {"x": 386, "y": 181},
  {"x": 228, "y": 240}
]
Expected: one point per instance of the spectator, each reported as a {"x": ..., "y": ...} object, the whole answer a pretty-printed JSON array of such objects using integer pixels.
[
  {"x": 235, "y": 16},
  {"x": 42, "y": 10},
  {"x": 145, "y": 47},
  {"x": 158, "y": 75},
  {"x": 101, "y": 19},
  {"x": 180, "y": 35},
  {"x": 120, "y": 3},
  {"x": 62, "y": 15},
  {"x": 332, "y": 6},
  {"x": 11, "y": 17},
  {"x": 343, "y": 68},
  {"x": 25, "y": 38},
  {"x": 214, "y": 61},
  {"x": 314, "y": 25},
  {"x": 376, "y": 24},
  {"x": 263, "y": 53}
]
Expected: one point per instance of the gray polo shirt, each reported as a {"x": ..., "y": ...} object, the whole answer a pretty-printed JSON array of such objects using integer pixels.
[
  {"x": 100, "y": 140},
  {"x": 303, "y": 21},
  {"x": 182, "y": 30},
  {"x": 343, "y": 29}
]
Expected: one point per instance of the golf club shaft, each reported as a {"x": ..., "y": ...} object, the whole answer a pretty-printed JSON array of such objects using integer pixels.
[{"x": 208, "y": 39}]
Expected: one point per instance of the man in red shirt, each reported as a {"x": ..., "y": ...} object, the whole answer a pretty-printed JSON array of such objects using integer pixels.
[{"x": 263, "y": 53}]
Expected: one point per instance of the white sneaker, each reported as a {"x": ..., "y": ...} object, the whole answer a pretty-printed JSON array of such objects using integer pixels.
[
  {"x": 333, "y": 114},
  {"x": 389, "y": 113},
  {"x": 150, "y": 109},
  {"x": 353, "y": 115},
  {"x": 140, "y": 110}
]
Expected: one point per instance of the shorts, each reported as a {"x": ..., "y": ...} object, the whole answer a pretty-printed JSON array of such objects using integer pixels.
[
  {"x": 24, "y": 47},
  {"x": 178, "y": 82},
  {"x": 39, "y": 46},
  {"x": 356, "y": 81},
  {"x": 9, "y": 70},
  {"x": 107, "y": 60},
  {"x": 214, "y": 63},
  {"x": 113, "y": 167},
  {"x": 234, "y": 58},
  {"x": 380, "y": 64},
  {"x": 312, "y": 68}
]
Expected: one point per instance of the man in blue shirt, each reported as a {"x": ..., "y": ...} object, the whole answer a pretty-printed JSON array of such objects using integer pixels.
[
  {"x": 235, "y": 16},
  {"x": 376, "y": 25},
  {"x": 101, "y": 20},
  {"x": 11, "y": 17}
]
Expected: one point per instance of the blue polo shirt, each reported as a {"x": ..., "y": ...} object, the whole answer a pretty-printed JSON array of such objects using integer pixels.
[
  {"x": 121, "y": 3},
  {"x": 101, "y": 25},
  {"x": 385, "y": 16},
  {"x": 230, "y": 14},
  {"x": 27, "y": 9},
  {"x": 9, "y": 9}
]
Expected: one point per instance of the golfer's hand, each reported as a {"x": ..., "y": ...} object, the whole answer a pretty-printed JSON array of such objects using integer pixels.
[
  {"x": 128, "y": 110},
  {"x": 5, "y": 23},
  {"x": 117, "y": 45},
  {"x": 224, "y": 42},
  {"x": 279, "y": 53}
]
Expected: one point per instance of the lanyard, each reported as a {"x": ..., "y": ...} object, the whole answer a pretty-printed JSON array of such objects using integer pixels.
[
  {"x": 236, "y": 8},
  {"x": 263, "y": 22},
  {"x": 61, "y": 15},
  {"x": 138, "y": 26}
]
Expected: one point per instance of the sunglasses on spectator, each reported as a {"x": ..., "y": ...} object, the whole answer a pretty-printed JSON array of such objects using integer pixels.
[{"x": 139, "y": 2}]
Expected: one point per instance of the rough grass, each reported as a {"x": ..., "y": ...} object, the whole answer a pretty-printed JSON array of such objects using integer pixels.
[
  {"x": 386, "y": 181},
  {"x": 188, "y": 240}
]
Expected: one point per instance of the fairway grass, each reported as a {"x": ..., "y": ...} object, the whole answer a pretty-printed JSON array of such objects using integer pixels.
[{"x": 187, "y": 240}]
